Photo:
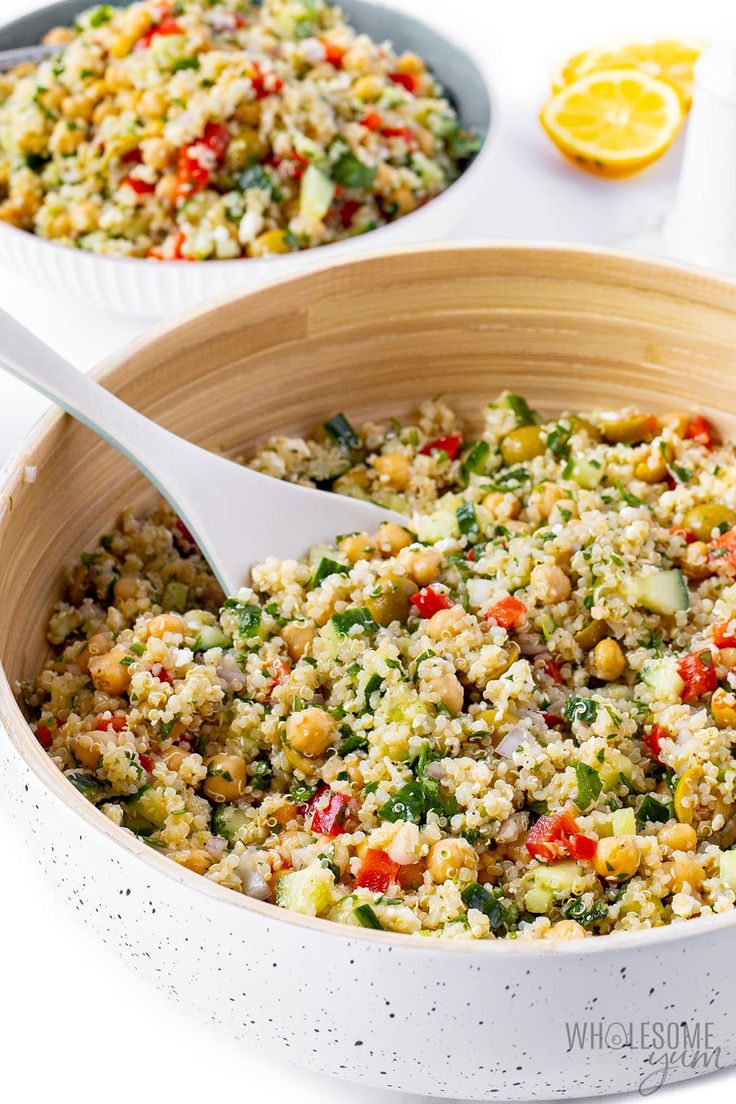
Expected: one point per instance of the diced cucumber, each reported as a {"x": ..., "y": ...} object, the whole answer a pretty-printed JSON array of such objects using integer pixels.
[
  {"x": 316, "y": 195},
  {"x": 308, "y": 891},
  {"x": 227, "y": 820},
  {"x": 587, "y": 474},
  {"x": 538, "y": 900},
  {"x": 663, "y": 678},
  {"x": 728, "y": 869},
  {"x": 520, "y": 408},
  {"x": 344, "y": 911},
  {"x": 623, "y": 822},
  {"x": 661, "y": 592},
  {"x": 442, "y": 522},
  {"x": 145, "y": 811},
  {"x": 559, "y": 878},
  {"x": 175, "y": 596},
  {"x": 211, "y": 636}
]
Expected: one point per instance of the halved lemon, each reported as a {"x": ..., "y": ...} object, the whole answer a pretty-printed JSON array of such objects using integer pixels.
[
  {"x": 666, "y": 59},
  {"x": 613, "y": 122}
]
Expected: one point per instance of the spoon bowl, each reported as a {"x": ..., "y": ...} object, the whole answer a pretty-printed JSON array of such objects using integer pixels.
[{"x": 237, "y": 516}]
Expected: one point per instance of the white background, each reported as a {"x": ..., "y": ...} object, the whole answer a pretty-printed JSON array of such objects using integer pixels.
[{"x": 72, "y": 1017}]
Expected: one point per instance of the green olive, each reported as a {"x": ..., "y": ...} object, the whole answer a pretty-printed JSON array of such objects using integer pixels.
[
  {"x": 591, "y": 635},
  {"x": 631, "y": 429},
  {"x": 392, "y": 603},
  {"x": 522, "y": 444},
  {"x": 582, "y": 425},
  {"x": 709, "y": 516}
]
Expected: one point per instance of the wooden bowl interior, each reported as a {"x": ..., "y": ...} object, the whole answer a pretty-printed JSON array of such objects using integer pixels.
[{"x": 569, "y": 329}]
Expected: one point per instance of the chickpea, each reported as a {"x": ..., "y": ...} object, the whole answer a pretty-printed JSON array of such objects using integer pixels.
[
  {"x": 694, "y": 561},
  {"x": 727, "y": 658},
  {"x": 566, "y": 929},
  {"x": 226, "y": 778},
  {"x": 446, "y": 623},
  {"x": 109, "y": 673},
  {"x": 311, "y": 731},
  {"x": 297, "y": 638},
  {"x": 685, "y": 870},
  {"x": 617, "y": 858},
  {"x": 368, "y": 88},
  {"x": 449, "y": 690},
  {"x": 608, "y": 662},
  {"x": 723, "y": 708},
  {"x": 125, "y": 588},
  {"x": 84, "y": 216},
  {"x": 248, "y": 113},
  {"x": 546, "y": 498},
  {"x": 174, "y": 757},
  {"x": 678, "y": 837},
  {"x": 678, "y": 421},
  {"x": 391, "y": 538},
  {"x": 706, "y": 520},
  {"x": 358, "y": 546},
  {"x": 197, "y": 860},
  {"x": 404, "y": 200},
  {"x": 422, "y": 565},
  {"x": 152, "y": 103},
  {"x": 66, "y": 137},
  {"x": 164, "y": 623},
  {"x": 89, "y": 747},
  {"x": 522, "y": 444},
  {"x": 448, "y": 857},
  {"x": 284, "y": 814},
  {"x": 394, "y": 468},
  {"x": 501, "y": 506},
  {"x": 98, "y": 644},
  {"x": 271, "y": 241},
  {"x": 58, "y": 36},
  {"x": 410, "y": 63},
  {"x": 550, "y": 583}
]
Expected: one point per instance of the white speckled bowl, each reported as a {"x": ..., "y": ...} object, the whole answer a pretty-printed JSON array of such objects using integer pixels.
[
  {"x": 153, "y": 289},
  {"x": 488, "y": 1020}
]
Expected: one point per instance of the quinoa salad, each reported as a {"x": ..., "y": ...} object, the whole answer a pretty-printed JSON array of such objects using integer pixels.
[
  {"x": 511, "y": 719},
  {"x": 219, "y": 129}
]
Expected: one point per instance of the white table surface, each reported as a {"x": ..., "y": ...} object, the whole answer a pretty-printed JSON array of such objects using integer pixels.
[{"x": 66, "y": 1002}]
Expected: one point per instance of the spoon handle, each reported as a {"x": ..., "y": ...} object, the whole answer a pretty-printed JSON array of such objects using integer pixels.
[{"x": 34, "y": 362}]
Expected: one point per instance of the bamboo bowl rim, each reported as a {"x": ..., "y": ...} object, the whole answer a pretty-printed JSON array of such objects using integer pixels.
[{"x": 15, "y": 727}]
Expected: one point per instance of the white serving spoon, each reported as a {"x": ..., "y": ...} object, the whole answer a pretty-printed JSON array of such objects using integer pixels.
[{"x": 237, "y": 516}]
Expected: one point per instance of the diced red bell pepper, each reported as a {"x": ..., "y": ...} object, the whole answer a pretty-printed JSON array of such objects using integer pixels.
[
  {"x": 552, "y": 668},
  {"x": 296, "y": 163},
  {"x": 198, "y": 161},
  {"x": 167, "y": 26},
  {"x": 176, "y": 254},
  {"x": 132, "y": 157},
  {"x": 653, "y": 741},
  {"x": 581, "y": 847},
  {"x": 552, "y": 720},
  {"x": 724, "y": 636},
  {"x": 334, "y": 54},
  {"x": 160, "y": 672},
  {"x": 347, "y": 211},
  {"x": 147, "y": 761},
  {"x": 371, "y": 120},
  {"x": 117, "y": 724},
  {"x": 406, "y": 80},
  {"x": 506, "y": 612},
  {"x": 45, "y": 736},
  {"x": 722, "y": 553},
  {"x": 279, "y": 671},
  {"x": 698, "y": 672},
  {"x": 182, "y": 532},
  {"x": 404, "y": 132},
  {"x": 699, "y": 429},
  {"x": 140, "y": 187},
  {"x": 428, "y": 601},
  {"x": 451, "y": 445},
  {"x": 685, "y": 534},
  {"x": 556, "y": 837},
  {"x": 265, "y": 84},
  {"x": 377, "y": 871},
  {"x": 328, "y": 811}
]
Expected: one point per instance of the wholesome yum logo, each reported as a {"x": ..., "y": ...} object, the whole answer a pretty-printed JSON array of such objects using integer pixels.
[{"x": 667, "y": 1046}]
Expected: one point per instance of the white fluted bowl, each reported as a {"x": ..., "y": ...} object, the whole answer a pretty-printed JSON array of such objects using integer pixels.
[{"x": 157, "y": 289}]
